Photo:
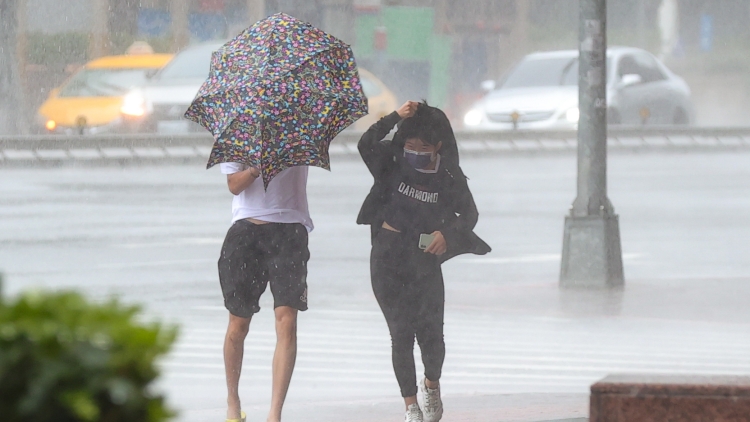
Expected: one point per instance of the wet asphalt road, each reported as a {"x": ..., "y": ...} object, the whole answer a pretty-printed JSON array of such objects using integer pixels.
[{"x": 152, "y": 235}]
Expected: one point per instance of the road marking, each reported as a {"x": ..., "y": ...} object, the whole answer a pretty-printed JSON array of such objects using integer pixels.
[
  {"x": 150, "y": 152},
  {"x": 117, "y": 153},
  {"x": 526, "y": 259},
  {"x": 85, "y": 153},
  {"x": 176, "y": 242}
]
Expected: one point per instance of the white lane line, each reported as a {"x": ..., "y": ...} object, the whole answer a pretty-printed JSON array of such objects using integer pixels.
[
  {"x": 126, "y": 265},
  {"x": 117, "y": 153},
  {"x": 85, "y": 153},
  {"x": 507, "y": 386},
  {"x": 660, "y": 331},
  {"x": 510, "y": 354},
  {"x": 384, "y": 373},
  {"x": 655, "y": 368},
  {"x": 19, "y": 154},
  {"x": 150, "y": 152},
  {"x": 181, "y": 151},
  {"x": 463, "y": 337},
  {"x": 301, "y": 357},
  {"x": 504, "y": 385},
  {"x": 297, "y": 368},
  {"x": 177, "y": 242},
  {"x": 527, "y": 144},
  {"x": 524, "y": 259},
  {"x": 254, "y": 348},
  {"x": 506, "y": 331},
  {"x": 519, "y": 361},
  {"x": 528, "y": 351},
  {"x": 52, "y": 154},
  {"x": 297, "y": 378},
  {"x": 589, "y": 361},
  {"x": 314, "y": 312},
  {"x": 555, "y": 366},
  {"x": 461, "y": 341}
]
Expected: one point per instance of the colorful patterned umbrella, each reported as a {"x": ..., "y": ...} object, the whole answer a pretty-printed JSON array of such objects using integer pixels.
[{"x": 277, "y": 95}]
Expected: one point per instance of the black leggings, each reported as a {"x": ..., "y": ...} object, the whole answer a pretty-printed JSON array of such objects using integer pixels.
[{"x": 408, "y": 284}]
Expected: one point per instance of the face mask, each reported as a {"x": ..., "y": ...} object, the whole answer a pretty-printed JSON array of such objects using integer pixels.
[{"x": 418, "y": 160}]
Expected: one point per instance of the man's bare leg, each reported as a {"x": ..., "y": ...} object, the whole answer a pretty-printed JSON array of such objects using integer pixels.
[
  {"x": 234, "y": 348},
  {"x": 283, "y": 358}
]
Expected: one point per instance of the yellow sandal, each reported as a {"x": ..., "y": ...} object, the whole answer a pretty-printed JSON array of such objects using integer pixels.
[{"x": 239, "y": 420}]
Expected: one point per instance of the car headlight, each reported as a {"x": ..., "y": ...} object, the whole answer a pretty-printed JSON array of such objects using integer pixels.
[
  {"x": 134, "y": 105},
  {"x": 45, "y": 122},
  {"x": 572, "y": 115},
  {"x": 473, "y": 117}
]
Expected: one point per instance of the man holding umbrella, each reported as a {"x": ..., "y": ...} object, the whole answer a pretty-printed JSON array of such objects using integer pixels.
[
  {"x": 275, "y": 98},
  {"x": 266, "y": 244}
]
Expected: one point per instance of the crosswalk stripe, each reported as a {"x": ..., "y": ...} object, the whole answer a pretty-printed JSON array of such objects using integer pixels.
[{"x": 484, "y": 353}]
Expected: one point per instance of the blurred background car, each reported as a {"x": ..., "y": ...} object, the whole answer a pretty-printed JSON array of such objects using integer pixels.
[
  {"x": 381, "y": 100},
  {"x": 158, "y": 106},
  {"x": 91, "y": 100},
  {"x": 541, "y": 92}
]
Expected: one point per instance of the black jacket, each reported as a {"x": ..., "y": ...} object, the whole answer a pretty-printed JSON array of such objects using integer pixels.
[{"x": 380, "y": 157}]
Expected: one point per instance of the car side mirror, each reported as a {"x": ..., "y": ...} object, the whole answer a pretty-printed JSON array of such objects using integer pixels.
[
  {"x": 630, "y": 80},
  {"x": 489, "y": 85},
  {"x": 151, "y": 73}
]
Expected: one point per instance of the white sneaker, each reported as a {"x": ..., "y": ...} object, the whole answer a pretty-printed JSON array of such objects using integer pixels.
[
  {"x": 414, "y": 413},
  {"x": 433, "y": 404}
]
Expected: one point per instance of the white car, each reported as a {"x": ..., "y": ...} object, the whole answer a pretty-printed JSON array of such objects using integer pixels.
[
  {"x": 159, "y": 105},
  {"x": 541, "y": 92}
]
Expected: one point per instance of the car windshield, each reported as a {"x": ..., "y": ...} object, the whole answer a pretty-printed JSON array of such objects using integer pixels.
[
  {"x": 103, "y": 82},
  {"x": 559, "y": 71},
  {"x": 190, "y": 64}
]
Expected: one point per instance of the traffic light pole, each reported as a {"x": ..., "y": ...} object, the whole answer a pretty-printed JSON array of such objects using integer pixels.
[{"x": 592, "y": 255}]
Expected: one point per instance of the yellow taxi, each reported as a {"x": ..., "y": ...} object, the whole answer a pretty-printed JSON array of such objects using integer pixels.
[
  {"x": 90, "y": 100},
  {"x": 380, "y": 100}
]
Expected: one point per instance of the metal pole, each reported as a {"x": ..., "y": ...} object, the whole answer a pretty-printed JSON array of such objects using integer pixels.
[{"x": 591, "y": 247}]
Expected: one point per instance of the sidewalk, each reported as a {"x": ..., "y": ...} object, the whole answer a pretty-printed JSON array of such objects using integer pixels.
[{"x": 472, "y": 408}]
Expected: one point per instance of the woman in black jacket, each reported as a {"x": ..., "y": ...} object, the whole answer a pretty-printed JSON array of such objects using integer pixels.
[{"x": 421, "y": 213}]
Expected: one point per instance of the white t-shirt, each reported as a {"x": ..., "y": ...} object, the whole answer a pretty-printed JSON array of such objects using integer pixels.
[{"x": 285, "y": 200}]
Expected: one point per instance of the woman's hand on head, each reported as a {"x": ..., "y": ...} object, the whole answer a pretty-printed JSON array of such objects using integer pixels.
[
  {"x": 438, "y": 245},
  {"x": 408, "y": 109}
]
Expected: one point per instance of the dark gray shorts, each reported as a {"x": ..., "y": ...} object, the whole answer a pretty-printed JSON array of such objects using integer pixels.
[{"x": 255, "y": 255}]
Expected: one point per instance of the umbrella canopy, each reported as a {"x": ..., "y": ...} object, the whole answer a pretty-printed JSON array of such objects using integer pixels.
[{"x": 277, "y": 95}]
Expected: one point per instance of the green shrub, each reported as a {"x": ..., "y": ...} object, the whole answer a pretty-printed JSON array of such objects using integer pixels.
[{"x": 65, "y": 359}]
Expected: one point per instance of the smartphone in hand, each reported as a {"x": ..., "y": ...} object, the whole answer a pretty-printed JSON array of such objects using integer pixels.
[{"x": 425, "y": 240}]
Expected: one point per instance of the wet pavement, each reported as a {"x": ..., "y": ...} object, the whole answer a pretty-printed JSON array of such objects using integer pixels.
[{"x": 518, "y": 348}]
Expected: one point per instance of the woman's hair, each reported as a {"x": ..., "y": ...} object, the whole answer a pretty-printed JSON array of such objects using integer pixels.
[
  {"x": 420, "y": 126},
  {"x": 432, "y": 126}
]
